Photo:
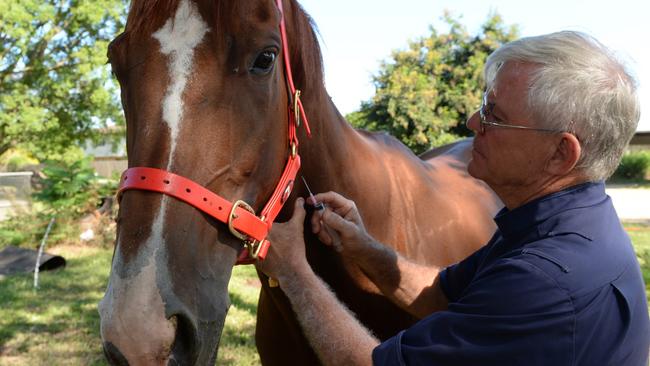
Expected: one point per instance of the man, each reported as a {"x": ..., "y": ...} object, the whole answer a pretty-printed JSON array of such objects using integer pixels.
[{"x": 558, "y": 284}]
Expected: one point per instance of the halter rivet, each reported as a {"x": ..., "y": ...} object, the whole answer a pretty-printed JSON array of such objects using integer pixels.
[{"x": 287, "y": 192}]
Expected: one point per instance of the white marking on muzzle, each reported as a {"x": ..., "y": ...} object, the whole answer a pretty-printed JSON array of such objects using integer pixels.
[
  {"x": 133, "y": 310},
  {"x": 178, "y": 38}
]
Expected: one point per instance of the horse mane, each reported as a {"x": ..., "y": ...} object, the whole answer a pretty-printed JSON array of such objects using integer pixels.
[
  {"x": 306, "y": 56},
  {"x": 145, "y": 16}
]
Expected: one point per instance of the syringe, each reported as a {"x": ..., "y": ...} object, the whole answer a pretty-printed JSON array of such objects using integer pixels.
[{"x": 319, "y": 206}]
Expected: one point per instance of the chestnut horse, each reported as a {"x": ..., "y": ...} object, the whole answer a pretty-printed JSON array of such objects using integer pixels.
[{"x": 206, "y": 96}]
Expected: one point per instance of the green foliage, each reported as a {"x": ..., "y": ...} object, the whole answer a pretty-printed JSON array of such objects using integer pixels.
[
  {"x": 67, "y": 188},
  {"x": 634, "y": 166},
  {"x": 424, "y": 94},
  {"x": 55, "y": 86},
  {"x": 24, "y": 229},
  {"x": 27, "y": 229},
  {"x": 640, "y": 236},
  {"x": 16, "y": 159},
  {"x": 68, "y": 191}
]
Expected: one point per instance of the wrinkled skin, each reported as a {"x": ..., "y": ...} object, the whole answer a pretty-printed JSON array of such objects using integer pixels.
[{"x": 167, "y": 295}]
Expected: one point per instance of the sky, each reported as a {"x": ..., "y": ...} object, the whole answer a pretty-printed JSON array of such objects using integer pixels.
[{"x": 356, "y": 35}]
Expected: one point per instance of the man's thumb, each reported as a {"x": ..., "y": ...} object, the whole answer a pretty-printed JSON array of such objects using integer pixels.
[{"x": 299, "y": 210}]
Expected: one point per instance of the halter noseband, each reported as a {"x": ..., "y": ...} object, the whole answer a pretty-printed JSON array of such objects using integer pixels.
[{"x": 240, "y": 216}]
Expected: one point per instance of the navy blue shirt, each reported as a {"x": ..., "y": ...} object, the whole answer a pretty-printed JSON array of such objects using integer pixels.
[{"x": 558, "y": 284}]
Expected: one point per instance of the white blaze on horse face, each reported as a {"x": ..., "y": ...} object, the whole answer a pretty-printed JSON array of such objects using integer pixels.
[
  {"x": 133, "y": 308},
  {"x": 178, "y": 38}
]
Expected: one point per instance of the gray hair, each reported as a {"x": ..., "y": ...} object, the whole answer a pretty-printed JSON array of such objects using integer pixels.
[{"x": 580, "y": 87}]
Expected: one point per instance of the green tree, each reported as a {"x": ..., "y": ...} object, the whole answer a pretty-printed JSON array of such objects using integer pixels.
[
  {"x": 55, "y": 86},
  {"x": 424, "y": 94}
]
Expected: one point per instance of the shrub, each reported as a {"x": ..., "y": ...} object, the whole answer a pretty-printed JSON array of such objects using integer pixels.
[
  {"x": 72, "y": 189},
  {"x": 68, "y": 191},
  {"x": 634, "y": 166}
]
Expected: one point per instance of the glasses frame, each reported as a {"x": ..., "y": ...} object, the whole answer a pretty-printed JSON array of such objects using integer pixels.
[{"x": 484, "y": 112}]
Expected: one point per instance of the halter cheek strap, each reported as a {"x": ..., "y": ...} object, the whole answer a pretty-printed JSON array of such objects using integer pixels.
[{"x": 239, "y": 216}]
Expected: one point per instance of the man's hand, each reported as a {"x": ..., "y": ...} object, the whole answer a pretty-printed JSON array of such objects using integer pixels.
[
  {"x": 286, "y": 255},
  {"x": 340, "y": 218},
  {"x": 411, "y": 286}
]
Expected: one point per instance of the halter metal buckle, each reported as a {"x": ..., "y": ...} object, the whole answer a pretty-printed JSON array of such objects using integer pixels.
[
  {"x": 254, "y": 247},
  {"x": 233, "y": 216}
]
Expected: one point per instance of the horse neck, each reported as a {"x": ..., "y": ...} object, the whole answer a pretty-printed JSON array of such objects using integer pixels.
[
  {"x": 397, "y": 193},
  {"x": 372, "y": 170},
  {"x": 336, "y": 155}
]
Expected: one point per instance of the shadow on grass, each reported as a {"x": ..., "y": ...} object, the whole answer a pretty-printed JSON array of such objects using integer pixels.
[
  {"x": 240, "y": 303},
  {"x": 64, "y": 308}
]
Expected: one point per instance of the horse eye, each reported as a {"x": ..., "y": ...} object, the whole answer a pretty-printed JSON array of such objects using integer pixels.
[{"x": 264, "y": 62}]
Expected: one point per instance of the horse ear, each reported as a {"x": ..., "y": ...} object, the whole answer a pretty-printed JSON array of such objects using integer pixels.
[{"x": 116, "y": 55}]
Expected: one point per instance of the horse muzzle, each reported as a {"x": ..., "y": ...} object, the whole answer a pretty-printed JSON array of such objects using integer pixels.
[{"x": 170, "y": 343}]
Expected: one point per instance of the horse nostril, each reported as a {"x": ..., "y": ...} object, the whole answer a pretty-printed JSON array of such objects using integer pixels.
[
  {"x": 183, "y": 349},
  {"x": 114, "y": 356}
]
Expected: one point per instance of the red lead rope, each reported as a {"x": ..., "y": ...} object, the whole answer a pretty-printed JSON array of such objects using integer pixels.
[{"x": 240, "y": 217}]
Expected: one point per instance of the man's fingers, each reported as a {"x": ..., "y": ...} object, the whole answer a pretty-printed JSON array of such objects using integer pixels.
[
  {"x": 336, "y": 222},
  {"x": 334, "y": 200},
  {"x": 315, "y": 225},
  {"x": 324, "y": 237},
  {"x": 315, "y": 222}
]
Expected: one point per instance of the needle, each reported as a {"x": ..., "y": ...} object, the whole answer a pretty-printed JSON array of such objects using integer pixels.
[{"x": 319, "y": 206}]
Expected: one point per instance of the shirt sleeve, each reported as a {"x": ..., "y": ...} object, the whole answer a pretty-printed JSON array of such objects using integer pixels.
[
  {"x": 455, "y": 278},
  {"x": 511, "y": 314}
]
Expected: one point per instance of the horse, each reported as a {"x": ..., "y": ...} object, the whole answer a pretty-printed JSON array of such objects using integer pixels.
[{"x": 214, "y": 93}]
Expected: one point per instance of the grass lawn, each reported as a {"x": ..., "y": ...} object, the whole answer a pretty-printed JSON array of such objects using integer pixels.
[
  {"x": 640, "y": 235},
  {"x": 59, "y": 323}
]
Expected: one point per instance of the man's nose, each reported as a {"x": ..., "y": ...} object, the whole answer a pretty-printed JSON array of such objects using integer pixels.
[{"x": 473, "y": 122}]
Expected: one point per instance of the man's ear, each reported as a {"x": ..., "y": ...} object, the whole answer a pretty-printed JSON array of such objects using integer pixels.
[{"x": 566, "y": 155}]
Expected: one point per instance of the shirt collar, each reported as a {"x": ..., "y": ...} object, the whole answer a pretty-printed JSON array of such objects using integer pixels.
[{"x": 527, "y": 220}]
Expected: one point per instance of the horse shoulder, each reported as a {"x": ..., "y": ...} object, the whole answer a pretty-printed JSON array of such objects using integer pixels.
[
  {"x": 464, "y": 206},
  {"x": 430, "y": 210}
]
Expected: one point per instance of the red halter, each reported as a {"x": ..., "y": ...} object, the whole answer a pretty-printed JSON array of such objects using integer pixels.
[{"x": 240, "y": 217}]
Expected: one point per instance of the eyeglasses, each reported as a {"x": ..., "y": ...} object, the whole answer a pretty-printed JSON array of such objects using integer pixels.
[{"x": 486, "y": 111}]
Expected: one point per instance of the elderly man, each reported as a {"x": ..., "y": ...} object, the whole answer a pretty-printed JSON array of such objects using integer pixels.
[{"x": 558, "y": 284}]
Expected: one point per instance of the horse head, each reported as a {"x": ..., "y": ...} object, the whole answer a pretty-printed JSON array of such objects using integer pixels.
[{"x": 205, "y": 97}]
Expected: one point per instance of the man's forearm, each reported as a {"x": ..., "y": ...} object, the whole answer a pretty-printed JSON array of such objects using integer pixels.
[
  {"x": 333, "y": 331},
  {"x": 411, "y": 286}
]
